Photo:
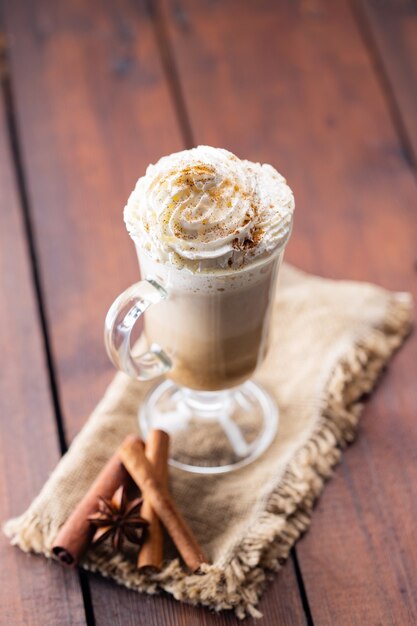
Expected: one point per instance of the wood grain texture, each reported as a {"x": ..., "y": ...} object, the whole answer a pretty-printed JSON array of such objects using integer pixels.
[
  {"x": 32, "y": 591},
  {"x": 293, "y": 83},
  {"x": 94, "y": 109},
  {"x": 391, "y": 27}
]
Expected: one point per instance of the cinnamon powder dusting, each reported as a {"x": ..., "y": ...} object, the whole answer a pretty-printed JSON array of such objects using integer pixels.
[{"x": 250, "y": 242}]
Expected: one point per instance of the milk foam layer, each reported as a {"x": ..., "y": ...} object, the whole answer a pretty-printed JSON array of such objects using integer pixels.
[
  {"x": 175, "y": 281},
  {"x": 205, "y": 209}
]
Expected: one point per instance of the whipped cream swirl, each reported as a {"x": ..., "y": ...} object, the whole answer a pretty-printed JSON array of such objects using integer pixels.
[{"x": 206, "y": 209}]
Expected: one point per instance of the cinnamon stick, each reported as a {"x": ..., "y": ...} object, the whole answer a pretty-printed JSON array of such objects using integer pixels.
[
  {"x": 75, "y": 535},
  {"x": 156, "y": 450},
  {"x": 132, "y": 454}
]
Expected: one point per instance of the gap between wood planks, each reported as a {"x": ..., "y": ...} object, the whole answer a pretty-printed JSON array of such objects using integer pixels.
[
  {"x": 394, "y": 108},
  {"x": 17, "y": 161},
  {"x": 169, "y": 66}
]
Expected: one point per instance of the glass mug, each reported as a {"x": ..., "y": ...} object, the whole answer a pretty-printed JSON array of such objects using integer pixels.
[{"x": 207, "y": 332}]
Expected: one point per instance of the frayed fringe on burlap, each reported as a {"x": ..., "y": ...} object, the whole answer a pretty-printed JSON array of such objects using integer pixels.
[{"x": 287, "y": 514}]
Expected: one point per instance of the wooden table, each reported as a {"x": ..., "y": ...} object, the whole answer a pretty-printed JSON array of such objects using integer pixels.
[{"x": 94, "y": 90}]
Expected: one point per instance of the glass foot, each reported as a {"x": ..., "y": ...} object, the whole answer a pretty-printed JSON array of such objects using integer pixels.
[{"x": 212, "y": 432}]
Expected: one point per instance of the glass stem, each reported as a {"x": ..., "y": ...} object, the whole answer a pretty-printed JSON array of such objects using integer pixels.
[{"x": 218, "y": 406}]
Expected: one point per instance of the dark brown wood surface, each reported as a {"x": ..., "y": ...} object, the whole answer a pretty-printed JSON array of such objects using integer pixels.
[
  {"x": 100, "y": 90},
  {"x": 32, "y": 591}
]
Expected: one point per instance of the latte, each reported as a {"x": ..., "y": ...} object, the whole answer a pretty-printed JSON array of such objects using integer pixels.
[{"x": 211, "y": 229}]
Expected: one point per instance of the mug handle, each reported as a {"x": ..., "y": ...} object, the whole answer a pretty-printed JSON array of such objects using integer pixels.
[{"x": 120, "y": 321}]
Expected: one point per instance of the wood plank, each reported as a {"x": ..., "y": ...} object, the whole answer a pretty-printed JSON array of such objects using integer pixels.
[
  {"x": 292, "y": 83},
  {"x": 391, "y": 30},
  {"x": 32, "y": 591},
  {"x": 279, "y": 605},
  {"x": 104, "y": 113}
]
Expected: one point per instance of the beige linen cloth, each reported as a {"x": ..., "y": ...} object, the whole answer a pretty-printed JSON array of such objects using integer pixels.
[{"x": 330, "y": 341}]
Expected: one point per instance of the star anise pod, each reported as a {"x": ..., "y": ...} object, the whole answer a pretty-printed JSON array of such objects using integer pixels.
[{"x": 119, "y": 520}]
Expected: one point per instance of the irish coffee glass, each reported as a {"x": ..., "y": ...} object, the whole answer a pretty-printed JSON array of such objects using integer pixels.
[{"x": 206, "y": 333}]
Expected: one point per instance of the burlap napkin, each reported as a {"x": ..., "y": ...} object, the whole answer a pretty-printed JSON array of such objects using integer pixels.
[{"x": 330, "y": 341}]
